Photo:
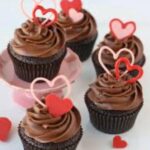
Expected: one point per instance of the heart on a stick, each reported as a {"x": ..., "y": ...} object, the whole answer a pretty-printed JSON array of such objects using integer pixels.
[
  {"x": 75, "y": 15},
  {"x": 56, "y": 106},
  {"x": 122, "y": 30},
  {"x": 115, "y": 56},
  {"x": 66, "y": 5},
  {"x": 48, "y": 21}
]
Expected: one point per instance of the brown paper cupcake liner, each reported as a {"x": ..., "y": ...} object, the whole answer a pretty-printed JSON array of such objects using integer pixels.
[
  {"x": 31, "y": 144},
  {"x": 83, "y": 48},
  {"x": 111, "y": 122},
  {"x": 29, "y": 68},
  {"x": 99, "y": 70}
]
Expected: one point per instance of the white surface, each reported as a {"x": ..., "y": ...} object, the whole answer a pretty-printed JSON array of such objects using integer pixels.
[{"x": 138, "y": 10}]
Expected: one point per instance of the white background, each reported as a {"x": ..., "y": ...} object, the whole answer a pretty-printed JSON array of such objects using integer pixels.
[{"x": 138, "y": 10}]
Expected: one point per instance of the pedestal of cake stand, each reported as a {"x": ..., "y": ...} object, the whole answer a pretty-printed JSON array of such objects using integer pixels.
[{"x": 71, "y": 68}]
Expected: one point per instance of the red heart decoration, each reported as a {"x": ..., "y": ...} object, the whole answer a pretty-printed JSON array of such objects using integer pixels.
[
  {"x": 66, "y": 5},
  {"x": 57, "y": 106},
  {"x": 122, "y": 30},
  {"x": 44, "y": 11},
  {"x": 129, "y": 68},
  {"x": 119, "y": 143},
  {"x": 5, "y": 126}
]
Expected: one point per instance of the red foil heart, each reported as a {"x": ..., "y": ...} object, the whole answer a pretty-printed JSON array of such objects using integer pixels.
[
  {"x": 119, "y": 143},
  {"x": 44, "y": 12},
  {"x": 5, "y": 126},
  {"x": 57, "y": 106},
  {"x": 66, "y": 5},
  {"x": 129, "y": 67},
  {"x": 122, "y": 30}
]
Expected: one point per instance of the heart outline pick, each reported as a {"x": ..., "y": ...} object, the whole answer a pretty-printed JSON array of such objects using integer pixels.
[
  {"x": 129, "y": 67},
  {"x": 48, "y": 21},
  {"x": 122, "y": 30},
  {"x": 119, "y": 143},
  {"x": 50, "y": 84},
  {"x": 115, "y": 56}
]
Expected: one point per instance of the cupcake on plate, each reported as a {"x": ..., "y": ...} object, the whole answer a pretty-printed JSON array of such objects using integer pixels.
[
  {"x": 37, "y": 50},
  {"x": 80, "y": 28},
  {"x": 53, "y": 123},
  {"x": 118, "y": 38},
  {"x": 114, "y": 103}
]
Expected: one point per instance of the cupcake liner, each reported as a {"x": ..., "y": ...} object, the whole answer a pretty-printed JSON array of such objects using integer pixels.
[
  {"x": 109, "y": 121},
  {"x": 29, "y": 68},
  {"x": 99, "y": 70},
  {"x": 31, "y": 144},
  {"x": 83, "y": 48}
]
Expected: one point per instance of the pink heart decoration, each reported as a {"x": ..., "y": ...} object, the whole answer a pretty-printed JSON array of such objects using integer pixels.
[
  {"x": 75, "y": 15},
  {"x": 122, "y": 30}
]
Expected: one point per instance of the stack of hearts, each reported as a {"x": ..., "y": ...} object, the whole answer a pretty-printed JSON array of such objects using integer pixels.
[
  {"x": 115, "y": 98},
  {"x": 121, "y": 36}
]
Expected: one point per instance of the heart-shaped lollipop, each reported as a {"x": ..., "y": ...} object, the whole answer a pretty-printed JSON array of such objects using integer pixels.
[
  {"x": 115, "y": 56},
  {"x": 129, "y": 67},
  {"x": 56, "y": 106},
  {"x": 122, "y": 30},
  {"x": 66, "y": 5},
  {"x": 48, "y": 21},
  {"x": 119, "y": 143}
]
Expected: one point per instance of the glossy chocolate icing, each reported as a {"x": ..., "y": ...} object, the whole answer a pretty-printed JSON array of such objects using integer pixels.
[
  {"x": 36, "y": 41},
  {"x": 84, "y": 29},
  {"x": 108, "y": 93},
  {"x": 43, "y": 127}
]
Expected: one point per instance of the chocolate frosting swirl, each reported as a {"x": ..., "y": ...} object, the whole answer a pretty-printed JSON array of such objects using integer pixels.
[
  {"x": 41, "y": 126},
  {"x": 108, "y": 93},
  {"x": 133, "y": 43},
  {"x": 35, "y": 41},
  {"x": 84, "y": 29}
]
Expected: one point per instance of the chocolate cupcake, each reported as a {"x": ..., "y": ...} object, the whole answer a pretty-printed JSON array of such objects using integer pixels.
[
  {"x": 41, "y": 131},
  {"x": 132, "y": 42},
  {"x": 114, "y": 104},
  {"x": 80, "y": 35},
  {"x": 37, "y": 51}
]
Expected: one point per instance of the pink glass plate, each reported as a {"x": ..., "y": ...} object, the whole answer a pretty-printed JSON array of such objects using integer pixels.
[{"x": 71, "y": 68}]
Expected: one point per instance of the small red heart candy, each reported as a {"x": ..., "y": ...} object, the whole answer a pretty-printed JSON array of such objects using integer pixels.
[
  {"x": 57, "y": 106},
  {"x": 5, "y": 126},
  {"x": 119, "y": 143},
  {"x": 66, "y": 5}
]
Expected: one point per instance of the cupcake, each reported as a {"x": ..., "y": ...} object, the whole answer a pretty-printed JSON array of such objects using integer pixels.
[
  {"x": 37, "y": 51},
  {"x": 114, "y": 104},
  {"x": 52, "y": 123},
  {"x": 80, "y": 28},
  {"x": 131, "y": 42}
]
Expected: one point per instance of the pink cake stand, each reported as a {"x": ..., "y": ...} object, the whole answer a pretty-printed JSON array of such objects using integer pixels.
[{"x": 71, "y": 68}]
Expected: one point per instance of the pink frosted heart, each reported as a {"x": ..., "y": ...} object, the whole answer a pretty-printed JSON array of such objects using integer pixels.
[{"x": 75, "y": 15}]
